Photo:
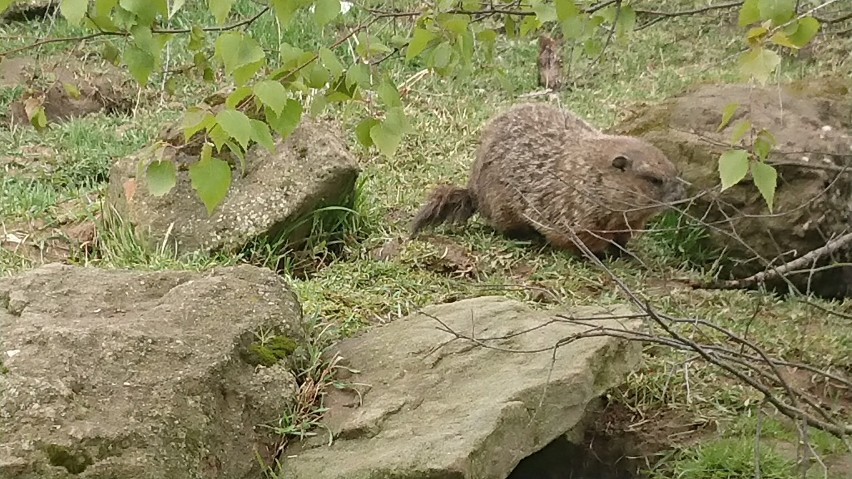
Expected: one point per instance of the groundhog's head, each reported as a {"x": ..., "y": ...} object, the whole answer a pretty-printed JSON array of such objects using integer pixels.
[{"x": 639, "y": 175}]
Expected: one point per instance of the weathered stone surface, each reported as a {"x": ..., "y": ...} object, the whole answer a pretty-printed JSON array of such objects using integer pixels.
[
  {"x": 309, "y": 170},
  {"x": 813, "y": 125},
  {"x": 461, "y": 411},
  {"x": 119, "y": 374}
]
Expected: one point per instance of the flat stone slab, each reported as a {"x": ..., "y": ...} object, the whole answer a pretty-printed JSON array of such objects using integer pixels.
[{"x": 464, "y": 409}]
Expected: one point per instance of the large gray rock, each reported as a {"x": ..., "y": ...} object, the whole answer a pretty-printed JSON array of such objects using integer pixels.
[
  {"x": 813, "y": 125},
  {"x": 309, "y": 170},
  {"x": 131, "y": 375},
  {"x": 461, "y": 410}
]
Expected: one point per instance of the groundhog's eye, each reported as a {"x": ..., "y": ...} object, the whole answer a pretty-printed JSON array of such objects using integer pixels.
[
  {"x": 621, "y": 162},
  {"x": 654, "y": 180}
]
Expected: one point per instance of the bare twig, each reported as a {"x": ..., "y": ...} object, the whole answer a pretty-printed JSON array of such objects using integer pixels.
[
  {"x": 779, "y": 271},
  {"x": 104, "y": 33}
]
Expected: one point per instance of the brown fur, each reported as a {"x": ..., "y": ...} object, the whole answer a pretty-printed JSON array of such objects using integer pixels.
[
  {"x": 549, "y": 62},
  {"x": 543, "y": 170}
]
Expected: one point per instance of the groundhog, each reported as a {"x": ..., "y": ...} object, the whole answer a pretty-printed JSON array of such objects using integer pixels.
[{"x": 543, "y": 172}]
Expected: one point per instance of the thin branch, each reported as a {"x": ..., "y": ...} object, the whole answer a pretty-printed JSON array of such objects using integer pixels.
[
  {"x": 693, "y": 11},
  {"x": 104, "y": 33},
  {"x": 778, "y": 271}
]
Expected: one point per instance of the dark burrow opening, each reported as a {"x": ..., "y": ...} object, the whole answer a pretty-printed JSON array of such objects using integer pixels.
[{"x": 599, "y": 457}]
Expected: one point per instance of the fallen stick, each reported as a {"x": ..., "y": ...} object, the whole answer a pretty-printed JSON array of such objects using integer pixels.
[{"x": 778, "y": 271}]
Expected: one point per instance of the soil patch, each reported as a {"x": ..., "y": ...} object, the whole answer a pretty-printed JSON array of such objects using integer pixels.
[
  {"x": 69, "y": 236},
  {"x": 451, "y": 259},
  {"x": 65, "y": 87}
]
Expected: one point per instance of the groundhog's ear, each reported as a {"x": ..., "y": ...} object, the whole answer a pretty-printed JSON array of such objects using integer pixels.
[{"x": 621, "y": 162}]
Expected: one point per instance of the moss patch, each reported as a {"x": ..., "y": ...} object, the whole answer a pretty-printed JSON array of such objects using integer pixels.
[{"x": 270, "y": 351}]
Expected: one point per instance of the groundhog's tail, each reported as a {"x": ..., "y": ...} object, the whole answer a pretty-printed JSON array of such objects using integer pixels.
[{"x": 446, "y": 203}]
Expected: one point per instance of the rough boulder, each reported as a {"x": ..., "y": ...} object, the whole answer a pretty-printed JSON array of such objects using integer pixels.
[
  {"x": 138, "y": 375},
  {"x": 812, "y": 123},
  {"x": 431, "y": 406},
  {"x": 309, "y": 170}
]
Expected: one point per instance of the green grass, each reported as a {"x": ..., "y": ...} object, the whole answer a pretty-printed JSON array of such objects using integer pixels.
[
  {"x": 63, "y": 175},
  {"x": 730, "y": 459}
]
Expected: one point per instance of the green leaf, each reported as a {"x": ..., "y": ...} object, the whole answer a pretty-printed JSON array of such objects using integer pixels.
[
  {"x": 369, "y": 45},
  {"x": 140, "y": 63},
  {"x": 71, "y": 90},
  {"x": 545, "y": 12},
  {"x": 287, "y": 121},
  {"x": 454, "y": 23},
  {"x": 733, "y": 166},
  {"x": 388, "y": 134},
  {"x": 111, "y": 53},
  {"x": 339, "y": 92},
  {"x": 626, "y": 21},
  {"x": 4, "y": 4},
  {"x": 39, "y": 119},
  {"x": 763, "y": 144},
  {"x": 727, "y": 114},
  {"x": 385, "y": 139},
  {"x": 272, "y": 94},
  {"x": 575, "y": 27},
  {"x": 72, "y": 10},
  {"x": 219, "y": 136},
  {"x": 317, "y": 76},
  {"x": 237, "y": 96},
  {"x": 220, "y": 9},
  {"x": 780, "y": 38},
  {"x": 749, "y": 13},
  {"x": 100, "y": 14},
  {"x": 291, "y": 57},
  {"x": 196, "y": 38},
  {"x": 318, "y": 105},
  {"x": 593, "y": 47},
  {"x": 807, "y": 28},
  {"x": 260, "y": 134},
  {"x": 528, "y": 25},
  {"x": 245, "y": 73},
  {"x": 389, "y": 94},
  {"x": 759, "y": 63},
  {"x": 211, "y": 179},
  {"x": 330, "y": 62},
  {"x": 326, "y": 10},
  {"x": 358, "y": 74},
  {"x": 441, "y": 55},
  {"x": 236, "y": 124},
  {"x": 284, "y": 10},
  {"x": 510, "y": 27},
  {"x": 566, "y": 9},
  {"x": 362, "y": 131},
  {"x": 740, "y": 129},
  {"x": 765, "y": 177},
  {"x": 194, "y": 120},
  {"x": 161, "y": 177},
  {"x": 146, "y": 10},
  {"x": 396, "y": 120},
  {"x": 237, "y": 51},
  {"x": 419, "y": 42},
  {"x": 779, "y": 11},
  {"x": 176, "y": 6}
]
